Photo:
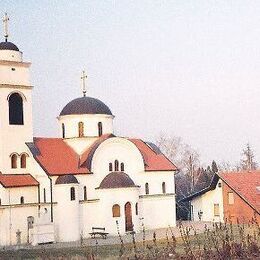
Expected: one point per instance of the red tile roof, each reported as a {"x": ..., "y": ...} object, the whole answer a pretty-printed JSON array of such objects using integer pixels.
[
  {"x": 17, "y": 180},
  {"x": 244, "y": 184},
  {"x": 58, "y": 158},
  {"x": 153, "y": 161}
]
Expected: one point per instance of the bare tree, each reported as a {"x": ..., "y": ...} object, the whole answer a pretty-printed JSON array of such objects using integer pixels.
[
  {"x": 182, "y": 155},
  {"x": 190, "y": 165},
  {"x": 247, "y": 162}
]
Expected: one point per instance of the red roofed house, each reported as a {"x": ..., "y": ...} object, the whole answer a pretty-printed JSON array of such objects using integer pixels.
[
  {"x": 58, "y": 189},
  {"x": 231, "y": 197}
]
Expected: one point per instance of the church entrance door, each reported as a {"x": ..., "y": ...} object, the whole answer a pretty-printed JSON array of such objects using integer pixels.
[{"x": 128, "y": 217}]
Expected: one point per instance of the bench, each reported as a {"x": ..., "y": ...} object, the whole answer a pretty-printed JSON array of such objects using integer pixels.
[{"x": 98, "y": 231}]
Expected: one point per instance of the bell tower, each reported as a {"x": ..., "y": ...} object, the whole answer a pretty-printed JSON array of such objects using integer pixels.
[{"x": 16, "y": 106}]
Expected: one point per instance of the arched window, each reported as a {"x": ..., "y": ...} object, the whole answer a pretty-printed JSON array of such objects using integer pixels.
[
  {"x": 146, "y": 188},
  {"x": 14, "y": 161},
  {"x": 15, "y": 109},
  {"x": 44, "y": 195},
  {"x": 122, "y": 167},
  {"x": 22, "y": 200},
  {"x": 100, "y": 129},
  {"x": 23, "y": 161},
  {"x": 163, "y": 187},
  {"x": 110, "y": 167},
  {"x": 116, "y": 166},
  {"x": 72, "y": 193},
  {"x": 136, "y": 208},
  {"x": 81, "y": 129},
  {"x": 63, "y": 130},
  {"x": 85, "y": 193},
  {"x": 116, "y": 211}
]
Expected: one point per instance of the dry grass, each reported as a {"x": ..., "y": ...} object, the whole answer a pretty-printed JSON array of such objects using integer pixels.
[{"x": 222, "y": 241}]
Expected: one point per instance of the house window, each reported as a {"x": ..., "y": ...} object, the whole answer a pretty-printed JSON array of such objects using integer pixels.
[
  {"x": 85, "y": 192},
  {"x": 100, "y": 129},
  {"x": 22, "y": 200},
  {"x": 23, "y": 161},
  {"x": 14, "y": 161},
  {"x": 163, "y": 187},
  {"x": 230, "y": 198},
  {"x": 136, "y": 208},
  {"x": 72, "y": 193},
  {"x": 15, "y": 109},
  {"x": 116, "y": 165},
  {"x": 122, "y": 167},
  {"x": 81, "y": 129},
  {"x": 44, "y": 195},
  {"x": 116, "y": 211},
  {"x": 216, "y": 210},
  {"x": 63, "y": 130},
  {"x": 146, "y": 188},
  {"x": 110, "y": 167}
]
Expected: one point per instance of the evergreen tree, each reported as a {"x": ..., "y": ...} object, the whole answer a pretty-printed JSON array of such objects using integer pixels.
[{"x": 214, "y": 166}]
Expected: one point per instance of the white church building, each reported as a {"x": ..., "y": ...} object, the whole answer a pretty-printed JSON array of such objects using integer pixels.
[{"x": 58, "y": 189}]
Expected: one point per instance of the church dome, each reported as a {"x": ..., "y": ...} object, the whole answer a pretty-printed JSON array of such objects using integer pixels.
[
  {"x": 8, "y": 46},
  {"x": 116, "y": 180},
  {"x": 66, "y": 179},
  {"x": 85, "y": 105}
]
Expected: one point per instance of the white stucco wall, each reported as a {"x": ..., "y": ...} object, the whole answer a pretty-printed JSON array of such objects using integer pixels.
[
  {"x": 158, "y": 211},
  {"x": 90, "y": 124},
  {"x": 205, "y": 203},
  {"x": 110, "y": 197},
  {"x": 10, "y": 55},
  {"x": 13, "y": 137},
  {"x": 67, "y": 214}
]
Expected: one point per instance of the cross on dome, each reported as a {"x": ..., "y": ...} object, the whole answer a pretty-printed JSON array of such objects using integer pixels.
[
  {"x": 83, "y": 78},
  {"x": 5, "y": 21}
]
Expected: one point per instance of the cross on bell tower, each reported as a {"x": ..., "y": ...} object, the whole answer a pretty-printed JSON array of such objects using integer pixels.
[
  {"x": 5, "y": 21},
  {"x": 83, "y": 78}
]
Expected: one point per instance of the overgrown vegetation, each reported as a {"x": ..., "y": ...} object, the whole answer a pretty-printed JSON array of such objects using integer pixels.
[{"x": 220, "y": 241}]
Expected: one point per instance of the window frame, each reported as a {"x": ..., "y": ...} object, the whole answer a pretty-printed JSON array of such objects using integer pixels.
[
  {"x": 116, "y": 211},
  {"x": 231, "y": 200},
  {"x": 147, "y": 189},
  {"x": 23, "y": 161},
  {"x": 15, "y": 103},
  {"x": 72, "y": 194},
  {"x": 100, "y": 129},
  {"x": 14, "y": 159},
  {"x": 85, "y": 197},
  {"x": 216, "y": 210},
  {"x": 80, "y": 129},
  {"x": 164, "y": 187},
  {"x": 116, "y": 165}
]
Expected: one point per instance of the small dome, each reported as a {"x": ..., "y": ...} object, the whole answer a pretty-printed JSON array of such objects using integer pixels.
[
  {"x": 85, "y": 105},
  {"x": 66, "y": 179},
  {"x": 116, "y": 180},
  {"x": 8, "y": 46}
]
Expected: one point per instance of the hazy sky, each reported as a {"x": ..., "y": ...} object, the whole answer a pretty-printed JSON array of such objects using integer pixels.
[{"x": 186, "y": 68}]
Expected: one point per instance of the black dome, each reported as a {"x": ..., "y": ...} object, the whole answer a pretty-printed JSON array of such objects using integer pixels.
[
  {"x": 85, "y": 105},
  {"x": 116, "y": 180},
  {"x": 8, "y": 46},
  {"x": 66, "y": 179}
]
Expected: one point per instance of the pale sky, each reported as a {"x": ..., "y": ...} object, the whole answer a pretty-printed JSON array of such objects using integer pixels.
[{"x": 186, "y": 68}]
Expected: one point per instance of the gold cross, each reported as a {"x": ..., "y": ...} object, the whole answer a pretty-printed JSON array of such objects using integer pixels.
[
  {"x": 5, "y": 21},
  {"x": 83, "y": 78}
]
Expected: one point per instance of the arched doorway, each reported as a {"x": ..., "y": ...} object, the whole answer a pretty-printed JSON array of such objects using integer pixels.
[{"x": 128, "y": 217}]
